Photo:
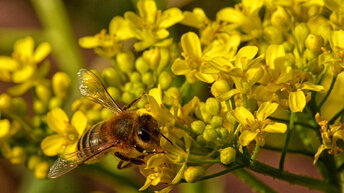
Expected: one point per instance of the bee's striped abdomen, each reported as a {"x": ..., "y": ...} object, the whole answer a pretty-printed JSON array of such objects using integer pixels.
[{"x": 89, "y": 141}]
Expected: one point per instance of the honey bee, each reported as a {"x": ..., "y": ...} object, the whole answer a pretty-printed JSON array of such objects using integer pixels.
[{"x": 130, "y": 136}]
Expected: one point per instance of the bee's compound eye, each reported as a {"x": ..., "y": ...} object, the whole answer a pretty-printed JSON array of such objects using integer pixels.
[{"x": 143, "y": 135}]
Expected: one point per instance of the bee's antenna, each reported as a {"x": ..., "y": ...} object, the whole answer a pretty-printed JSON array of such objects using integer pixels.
[{"x": 166, "y": 138}]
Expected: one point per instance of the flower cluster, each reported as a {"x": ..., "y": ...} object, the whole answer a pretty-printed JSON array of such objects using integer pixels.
[{"x": 259, "y": 68}]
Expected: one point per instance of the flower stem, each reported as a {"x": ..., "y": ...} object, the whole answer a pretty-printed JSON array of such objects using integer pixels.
[
  {"x": 336, "y": 116},
  {"x": 230, "y": 169},
  {"x": 289, "y": 131},
  {"x": 255, "y": 153},
  {"x": 256, "y": 184},
  {"x": 334, "y": 78}
]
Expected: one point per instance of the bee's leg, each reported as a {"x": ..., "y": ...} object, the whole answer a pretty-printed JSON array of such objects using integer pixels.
[
  {"x": 137, "y": 161},
  {"x": 133, "y": 102}
]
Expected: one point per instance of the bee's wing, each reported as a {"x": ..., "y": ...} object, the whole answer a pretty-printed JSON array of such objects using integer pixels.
[
  {"x": 92, "y": 87},
  {"x": 62, "y": 166}
]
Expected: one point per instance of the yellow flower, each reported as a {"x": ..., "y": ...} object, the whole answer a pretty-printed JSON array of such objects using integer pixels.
[
  {"x": 195, "y": 61},
  {"x": 109, "y": 44},
  {"x": 150, "y": 25},
  {"x": 67, "y": 134},
  {"x": 256, "y": 127},
  {"x": 329, "y": 134},
  {"x": 21, "y": 68}
]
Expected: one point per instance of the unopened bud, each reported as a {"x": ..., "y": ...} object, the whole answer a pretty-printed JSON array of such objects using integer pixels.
[
  {"x": 114, "y": 92},
  {"x": 148, "y": 79},
  {"x": 135, "y": 77},
  {"x": 273, "y": 35},
  {"x": 219, "y": 87},
  {"x": 227, "y": 155},
  {"x": 314, "y": 43},
  {"x": 5, "y": 126},
  {"x": 152, "y": 57},
  {"x": 55, "y": 102},
  {"x": 200, "y": 140},
  {"x": 281, "y": 19},
  {"x": 19, "y": 105},
  {"x": 223, "y": 133},
  {"x": 111, "y": 77},
  {"x": 212, "y": 106},
  {"x": 194, "y": 173},
  {"x": 198, "y": 126},
  {"x": 165, "y": 79},
  {"x": 127, "y": 97},
  {"x": 301, "y": 32},
  {"x": 43, "y": 93},
  {"x": 41, "y": 170},
  {"x": 39, "y": 107},
  {"x": 93, "y": 116},
  {"x": 141, "y": 65},
  {"x": 5, "y": 102},
  {"x": 17, "y": 155},
  {"x": 33, "y": 161},
  {"x": 210, "y": 134},
  {"x": 216, "y": 121},
  {"x": 61, "y": 83},
  {"x": 126, "y": 61}
]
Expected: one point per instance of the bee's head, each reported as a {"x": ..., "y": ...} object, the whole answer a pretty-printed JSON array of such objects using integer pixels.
[{"x": 147, "y": 133}]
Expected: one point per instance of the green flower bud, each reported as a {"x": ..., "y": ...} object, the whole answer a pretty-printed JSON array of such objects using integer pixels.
[
  {"x": 41, "y": 170},
  {"x": 301, "y": 32},
  {"x": 152, "y": 57},
  {"x": 36, "y": 121},
  {"x": 209, "y": 134},
  {"x": 17, "y": 155},
  {"x": 314, "y": 43},
  {"x": 200, "y": 140},
  {"x": 135, "y": 77},
  {"x": 114, "y": 92},
  {"x": 127, "y": 97},
  {"x": 142, "y": 102},
  {"x": 61, "y": 83},
  {"x": 194, "y": 173},
  {"x": 43, "y": 93},
  {"x": 288, "y": 47},
  {"x": 227, "y": 155},
  {"x": 93, "y": 116},
  {"x": 19, "y": 105},
  {"x": 165, "y": 79},
  {"x": 125, "y": 61},
  {"x": 55, "y": 102},
  {"x": 138, "y": 91},
  {"x": 39, "y": 107},
  {"x": 148, "y": 79},
  {"x": 106, "y": 114},
  {"x": 33, "y": 161},
  {"x": 273, "y": 35},
  {"x": 198, "y": 126},
  {"x": 111, "y": 77},
  {"x": 281, "y": 19},
  {"x": 212, "y": 106},
  {"x": 216, "y": 121},
  {"x": 223, "y": 133},
  {"x": 128, "y": 87},
  {"x": 141, "y": 65},
  {"x": 202, "y": 113},
  {"x": 219, "y": 87},
  {"x": 5, "y": 102}
]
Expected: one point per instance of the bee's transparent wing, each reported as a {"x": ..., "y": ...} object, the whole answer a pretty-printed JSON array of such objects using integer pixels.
[
  {"x": 92, "y": 87},
  {"x": 71, "y": 161},
  {"x": 62, "y": 166}
]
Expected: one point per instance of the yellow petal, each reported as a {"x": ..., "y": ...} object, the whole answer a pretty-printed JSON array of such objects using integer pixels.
[
  {"x": 53, "y": 145},
  {"x": 8, "y": 64},
  {"x": 79, "y": 121},
  {"x": 4, "y": 127},
  {"x": 191, "y": 45},
  {"x": 265, "y": 110},
  {"x": 147, "y": 10},
  {"x": 275, "y": 128},
  {"x": 297, "y": 101},
  {"x": 231, "y": 15},
  {"x": 120, "y": 28},
  {"x": 70, "y": 148},
  {"x": 133, "y": 19},
  {"x": 243, "y": 116},
  {"x": 339, "y": 134},
  {"x": 42, "y": 51},
  {"x": 170, "y": 17},
  {"x": 23, "y": 74},
  {"x": 247, "y": 137},
  {"x": 246, "y": 53},
  {"x": 208, "y": 78},
  {"x": 313, "y": 87},
  {"x": 274, "y": 53},
  {"x": 180, "y": 67},
  {"x": 58, "y": 121},
  {"x": 24, "y": 48},
  {"x": 89, "y": 42},
  {"x": 157, "y": 94},
  {"x": 319, "y": 151},
  {"x": 196, "y": 18}
]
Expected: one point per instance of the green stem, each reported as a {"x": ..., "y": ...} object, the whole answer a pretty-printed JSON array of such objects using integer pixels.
[
  {"x": 96, "y": 170},
  {"x": 244, "y": 100},
  {"x": 255, "y": 153},
  {"x": 184, "y": 90},
  {"x": 59, "y": 34},
  {"x": 289, "y": 131},
  {"x": 180, "y": 126},
  {"x": 8, "y": 37},
  {"x": 230, "y": 169},
  {"x": 256, "y": 184},
  {"x": 118, "y": 69},
  {"x": 309, "y": 182},
  {"x": 334, "y": 78}
]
